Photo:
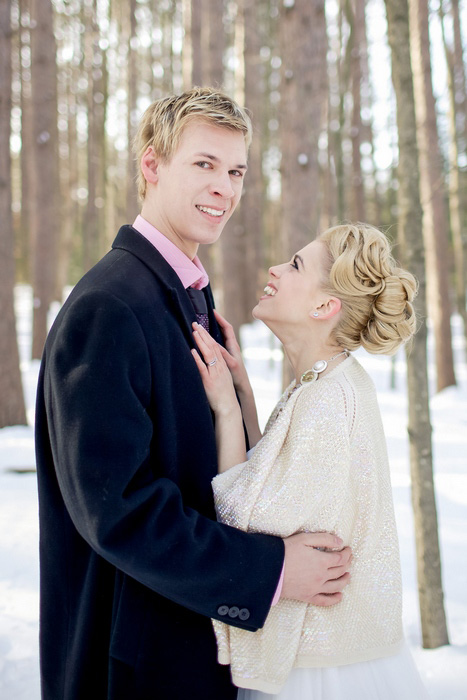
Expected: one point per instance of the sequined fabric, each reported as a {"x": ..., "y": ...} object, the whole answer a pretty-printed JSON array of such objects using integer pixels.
[{"x": 321, "y": 465}]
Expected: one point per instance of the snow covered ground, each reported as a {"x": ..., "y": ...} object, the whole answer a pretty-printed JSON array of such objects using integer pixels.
[{"x": 444, "y": 670}]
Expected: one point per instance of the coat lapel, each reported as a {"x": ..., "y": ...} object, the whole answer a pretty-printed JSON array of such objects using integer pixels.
[{"x": 133, "y": 242}]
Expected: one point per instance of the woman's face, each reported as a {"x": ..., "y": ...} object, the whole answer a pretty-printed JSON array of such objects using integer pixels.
[{"x": 294, "y": 292}]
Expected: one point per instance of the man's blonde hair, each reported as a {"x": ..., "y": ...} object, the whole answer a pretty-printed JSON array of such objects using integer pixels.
[{"x": 163, "y": 123}]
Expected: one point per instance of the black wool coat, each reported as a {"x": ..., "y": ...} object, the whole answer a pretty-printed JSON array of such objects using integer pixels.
[{"x": 133, "y": 562}]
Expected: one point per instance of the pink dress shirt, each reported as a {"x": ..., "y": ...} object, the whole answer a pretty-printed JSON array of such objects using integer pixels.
[{"x": 191, "y": 274}]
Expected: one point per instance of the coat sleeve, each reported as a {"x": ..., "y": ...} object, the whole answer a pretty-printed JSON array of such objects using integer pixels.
[{"x": 97, "y": 389}]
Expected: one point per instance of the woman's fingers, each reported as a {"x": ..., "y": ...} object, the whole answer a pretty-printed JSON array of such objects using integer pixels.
[
  {"x": 230, "y": 361},
  {"x": 226, "y": 327},
  {"x": 223, "y": 323},
  {"x": 199, "y": 362},
  {"x": 205, "y": 343}
]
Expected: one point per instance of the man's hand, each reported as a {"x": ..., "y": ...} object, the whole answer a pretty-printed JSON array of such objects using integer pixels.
[{"x": 315, "y": 576}]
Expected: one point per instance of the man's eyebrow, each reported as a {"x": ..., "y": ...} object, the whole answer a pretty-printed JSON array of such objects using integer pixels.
[{"x": 217, "y": 160}]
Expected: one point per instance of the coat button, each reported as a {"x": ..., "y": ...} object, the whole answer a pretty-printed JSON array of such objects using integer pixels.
[
  {"x": 244, "y": 614},
  {"x": 223, "y": 610},
  {"x": 233, "y": 612}
]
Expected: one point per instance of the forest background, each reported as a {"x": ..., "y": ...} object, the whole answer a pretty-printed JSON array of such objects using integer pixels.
[{"x": 360, "y": 113}]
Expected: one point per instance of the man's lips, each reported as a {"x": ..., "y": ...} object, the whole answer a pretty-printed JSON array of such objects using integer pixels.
[{"x": 212, "y": 212}]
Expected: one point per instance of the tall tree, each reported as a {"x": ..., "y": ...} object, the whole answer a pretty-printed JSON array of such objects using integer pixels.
[
  {"x": 196, "y": 23},
  {"x": 303, "y": 44},
  {"x": 432, "y": 194},
  {"x": 132, "y": 88},
  {"x": 302, "y": 32},
  {"x": 253, "y": 199},
  {"x": 357, "y": 18},
  {"x": 430, "y": 589},
  {"x": 457, "y": 194},
  {"x": 12, "y": 410},
  {"x": 45, "y": 182},
  {"x": 459, "y": 77}
]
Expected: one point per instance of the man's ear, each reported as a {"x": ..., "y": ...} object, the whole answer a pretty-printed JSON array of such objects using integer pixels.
[
  {"x": 150, "y": 165},
  {"x": 327, "y": 310}
]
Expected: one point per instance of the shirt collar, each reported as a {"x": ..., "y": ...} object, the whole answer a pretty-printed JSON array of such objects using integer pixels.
[{"x": 190, "y": 272}]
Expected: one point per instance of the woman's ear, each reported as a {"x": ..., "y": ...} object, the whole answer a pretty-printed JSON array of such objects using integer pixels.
[
  {"x": 327, "y": 310},
  {"x": 150, "y": 165}
]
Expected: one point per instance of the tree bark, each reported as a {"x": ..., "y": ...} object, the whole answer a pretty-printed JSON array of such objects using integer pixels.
[
  {"x": 197, "y": 67},
  {"x": 303, "y": 103},
  {"x": 132, "y": 206},
  {"x": 253, "y": 198},
  {"x": 434, "y": 629},
  {"x": 356, "y": 128},
  {"x": 432, "y": 195},
  {"x": 12, "y": 409},
  {"x": 457, "y": 198},
  {"x": 45, "y": 183}
]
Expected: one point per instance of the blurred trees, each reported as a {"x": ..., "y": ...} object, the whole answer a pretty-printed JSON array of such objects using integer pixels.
[
  {"x": 44, "y": 212},
  {"x": 410, "y": 230},
  {"x": 314, "y": 76},
  {"x": 432, "y": 190},
  {"x": 12, "y": 410},
  {"x": 331, "y": 143}
]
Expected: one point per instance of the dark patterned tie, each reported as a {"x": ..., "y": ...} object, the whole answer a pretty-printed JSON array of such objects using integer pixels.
[{"x": 199, "y": 304}]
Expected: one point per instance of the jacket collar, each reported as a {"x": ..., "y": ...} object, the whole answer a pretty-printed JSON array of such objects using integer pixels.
[{"x": 133, "y": 242}]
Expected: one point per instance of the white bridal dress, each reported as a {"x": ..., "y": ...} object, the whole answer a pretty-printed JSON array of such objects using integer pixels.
[{"x": 390, "y": 678}]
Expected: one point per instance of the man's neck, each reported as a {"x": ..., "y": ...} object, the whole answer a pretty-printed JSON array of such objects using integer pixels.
[{"x": 189, "y": 248}]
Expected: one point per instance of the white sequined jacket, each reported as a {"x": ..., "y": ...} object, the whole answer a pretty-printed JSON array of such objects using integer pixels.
[{"x": 321, "y": 466}]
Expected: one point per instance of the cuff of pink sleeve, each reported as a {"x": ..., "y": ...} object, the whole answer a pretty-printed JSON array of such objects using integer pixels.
[{"x": 278, "y": 592}]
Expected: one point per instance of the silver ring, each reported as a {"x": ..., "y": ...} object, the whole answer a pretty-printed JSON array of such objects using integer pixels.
[{"x": 213, "y": 362}]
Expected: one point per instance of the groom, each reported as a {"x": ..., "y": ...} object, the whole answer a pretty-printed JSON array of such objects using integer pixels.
[{"x": 133, "y": 562}]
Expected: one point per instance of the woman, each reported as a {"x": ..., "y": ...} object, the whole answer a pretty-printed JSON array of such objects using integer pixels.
[{"x": 321, "y": 465}]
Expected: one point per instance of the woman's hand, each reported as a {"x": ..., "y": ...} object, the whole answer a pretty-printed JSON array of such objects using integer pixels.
[
  {"x": 233, "y": 355},
  {"x": 215, "y": 373}
]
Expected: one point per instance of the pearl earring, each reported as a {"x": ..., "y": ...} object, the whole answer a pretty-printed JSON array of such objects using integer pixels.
[{"x": 316, "y": 314}]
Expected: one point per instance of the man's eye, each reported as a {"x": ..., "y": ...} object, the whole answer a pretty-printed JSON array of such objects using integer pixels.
[{"x": 237, "y": 173}]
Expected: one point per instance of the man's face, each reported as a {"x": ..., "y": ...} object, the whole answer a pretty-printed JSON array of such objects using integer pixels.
[{"x": 196, "y": 192}]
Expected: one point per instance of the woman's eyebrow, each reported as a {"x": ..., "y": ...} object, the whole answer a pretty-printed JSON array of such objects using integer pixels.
[{"x": 299, "y": 257}]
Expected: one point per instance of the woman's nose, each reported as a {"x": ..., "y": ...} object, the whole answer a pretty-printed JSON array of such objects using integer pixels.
[{"x": 275, "y": 271}]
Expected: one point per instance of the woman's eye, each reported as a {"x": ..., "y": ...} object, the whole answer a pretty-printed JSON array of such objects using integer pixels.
[
  {"x": 237, "y": 173},
  {"x": 294, "y": 263},
  {"x": 203, "y": 164}
]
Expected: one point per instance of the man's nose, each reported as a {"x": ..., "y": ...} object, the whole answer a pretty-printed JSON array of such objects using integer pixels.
[{"x": 223, "y": 186}]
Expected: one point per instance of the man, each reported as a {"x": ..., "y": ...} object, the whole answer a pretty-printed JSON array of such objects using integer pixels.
[{"x": 133, "y": 563}]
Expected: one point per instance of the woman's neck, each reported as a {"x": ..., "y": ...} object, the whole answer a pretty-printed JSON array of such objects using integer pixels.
[{"x": 303, "y": 355}]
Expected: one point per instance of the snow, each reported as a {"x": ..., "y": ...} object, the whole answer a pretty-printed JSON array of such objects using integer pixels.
[{"x": 444, "y": 670}]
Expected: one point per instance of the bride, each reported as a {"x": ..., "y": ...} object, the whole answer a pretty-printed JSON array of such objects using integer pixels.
[{"x": 321, "y": 465}]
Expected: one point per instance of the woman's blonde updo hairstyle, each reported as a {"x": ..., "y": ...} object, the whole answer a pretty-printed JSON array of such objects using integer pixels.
[{"x": 375, "y": 293}]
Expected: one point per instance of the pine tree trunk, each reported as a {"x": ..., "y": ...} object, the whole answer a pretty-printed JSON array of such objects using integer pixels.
[
  {"x": 434, "y": 629},
  {"x": 302, "y": 39},
  {"x": 132, "y": 207},
  {"x": 356, "y": 129},
  {"x": 432, "y": 195},
  {"x": 12, "y": 410},
  {"x": 457, "y": 194},
  {"x": 303, "y": 44},
  {"x": 26, "y": 136},
  {"x": 197, "y": 67},
  {"x": 45, "y": 182},
  {"x": 253, "y": 197}
]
